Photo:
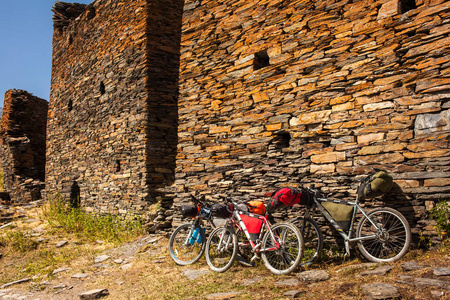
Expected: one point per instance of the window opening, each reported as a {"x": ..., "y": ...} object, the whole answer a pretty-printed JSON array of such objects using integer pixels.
[
  {"x": 117, "y": 165},
  {"x": 70, "y": 105},
  {"x": 282, "y": 139},
  {"x": 261, "y": 60},
  {"x": 102, "y": 88},
  {"x": 407, "y": 5}
]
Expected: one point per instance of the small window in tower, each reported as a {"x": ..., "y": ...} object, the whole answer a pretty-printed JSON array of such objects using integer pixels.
[
  {"x": 102, "y": 88},
  {"x": 407, "y": 5},
  {"x": 261, "y": 60},
  {"x": 282, "y": 139},
  {"x": 70, "y": 105},
  {"x": 117, "y": 165}
]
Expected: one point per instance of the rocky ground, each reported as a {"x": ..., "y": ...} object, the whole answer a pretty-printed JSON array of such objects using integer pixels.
[{"x": 143, "y": 269}]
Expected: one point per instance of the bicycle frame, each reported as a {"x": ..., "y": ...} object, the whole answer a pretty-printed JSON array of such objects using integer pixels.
[
  {"x": 236, "y": 222},
  {"x": 347, "y": 237}
]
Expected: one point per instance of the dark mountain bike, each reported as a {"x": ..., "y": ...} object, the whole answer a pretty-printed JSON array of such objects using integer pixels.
[{"x": 382, "y": 234}]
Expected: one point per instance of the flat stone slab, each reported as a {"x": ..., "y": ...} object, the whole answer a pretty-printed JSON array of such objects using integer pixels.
[
  {"x": 247, "y": 282},
  {"x": 61, "y": 244},
  {"x": 358, "y": 266},
  {"x": 101, "y": 258},
  {"x": 15, "y": 282},
  {"x": 380, "y": 290},
  {"x": 441, "y": 271},
  {"x": 287, "y": 282},
  {"x": 411, "y": 266},
  {"x": 94, "y": 294},
  {"x": 313, "y": 275},
  {"x": 80, "y": 275},
  {"x": 60, "y": 270},
  {"x": 382, "y": 270},
  {"x": 292, "y": 294},
  {"x": 219, "y": 296},
  {"x": 193, "y": 274},
  {"x": 419, "y": 281}
]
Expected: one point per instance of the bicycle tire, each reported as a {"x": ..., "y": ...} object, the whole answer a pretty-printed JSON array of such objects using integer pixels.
[
  {"x": 220, "y": 260},
  {"x": 181, "y": 250},
  {"x": 286, "y": 259},
  {"x": 312, "y": 237},
  {"x": 395, "y": 238}
]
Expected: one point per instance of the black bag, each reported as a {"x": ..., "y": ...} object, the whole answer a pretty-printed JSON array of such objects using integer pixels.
[
  {"x": 375, "y": 185},
  {"x": 189, "y": 210},
  {"x": 221, "y": 210}
]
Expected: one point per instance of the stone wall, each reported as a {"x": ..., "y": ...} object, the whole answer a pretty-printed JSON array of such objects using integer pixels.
[
  {"x": 296, "y": 92},
  {"x": 22, "y": 133},
  {"x": 112, "y": 121}
]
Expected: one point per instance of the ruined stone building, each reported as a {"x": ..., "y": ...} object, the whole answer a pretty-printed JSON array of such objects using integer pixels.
[
  {"x": 22, "y": 145},
  {"x": 239, "y": 97}
]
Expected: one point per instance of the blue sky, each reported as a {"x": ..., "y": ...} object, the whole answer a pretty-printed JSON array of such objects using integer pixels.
[{"x": 26, "y": 30}]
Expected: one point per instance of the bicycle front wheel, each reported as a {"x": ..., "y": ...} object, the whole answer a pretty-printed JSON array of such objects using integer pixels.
[
  {"x": 282, "y": 250},
  {"x": 221, "y": 249},
  {"x": 387, "y": 243},
  {"x": 313, "y": 238},
  {"x": 187, "y": 244}
]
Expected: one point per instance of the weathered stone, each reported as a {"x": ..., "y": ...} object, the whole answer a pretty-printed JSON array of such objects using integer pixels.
[
  {"x": 220, "y": 296},
  {"x": 287, "y": 282},
  {"x": 441, "y": 271},
  {"x": 101, "y": 258},
  {"x": 313, "y": 275},
  {"x": 411, "y": 266},
  {"x": 382, "y": 270},
  {"x": 94, "y": 294},
  {"x": 193, "y": 274},
  {"x": 380, "y": 290}
]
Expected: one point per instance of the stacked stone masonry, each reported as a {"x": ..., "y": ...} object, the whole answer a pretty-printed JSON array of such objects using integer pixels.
[
  {"x": 239, "y": 97},
  {"x": 22, "y": 133},
  {"x": 112, "y": 117},
  {"x": 297, "y": 92}
]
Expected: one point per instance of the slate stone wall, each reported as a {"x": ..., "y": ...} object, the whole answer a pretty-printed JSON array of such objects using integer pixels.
[
  {"x": 22, "y": 151},
  {"x": 112, "y": 125},
  {"x": 297, "y": 92}
]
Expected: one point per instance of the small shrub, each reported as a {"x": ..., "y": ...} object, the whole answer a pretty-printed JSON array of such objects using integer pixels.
[
  {"x": 441, "y": 214},
  {"x": 18, "y": 241}
]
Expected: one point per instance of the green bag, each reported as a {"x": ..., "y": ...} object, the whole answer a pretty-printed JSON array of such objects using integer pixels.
[
  {"x": 341, "y": 213},
  {"x": 375, "y": 185}
]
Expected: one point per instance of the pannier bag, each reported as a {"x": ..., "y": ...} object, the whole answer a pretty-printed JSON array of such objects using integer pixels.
[
  {"x": 375, "y": 185},
  {"x": 341, "y": 213},
  {"x": 253, "y": 226},
  {"x": 256, "y": 207},
  {"x": 189, "y": 210},
  {"x": 221, "y": 210},
  {"x": 287, "y": 196}
]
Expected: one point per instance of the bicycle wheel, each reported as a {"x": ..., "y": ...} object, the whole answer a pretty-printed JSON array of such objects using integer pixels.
[
  {"x": 221, "y": 249},
  {"x": 187, "y": 244},
  {"x": 288, "y": 252},
  {"x": 391, "y": 242},
  {"x": 312, "y": 237}
]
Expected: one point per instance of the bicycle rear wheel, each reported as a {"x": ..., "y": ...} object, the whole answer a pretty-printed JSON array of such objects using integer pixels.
[
  {"x": 221, "y": 249},
  {"x": 185, "y": 247},
  {"x": 391, "y": 242},
  {"x": 288, "y": 252},
  {"x": 313, "y": 238}
]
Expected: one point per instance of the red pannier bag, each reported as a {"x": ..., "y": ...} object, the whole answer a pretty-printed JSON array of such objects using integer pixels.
[
  {"x": 286, "y": 197},
  {"x": 253, "y": 226}
]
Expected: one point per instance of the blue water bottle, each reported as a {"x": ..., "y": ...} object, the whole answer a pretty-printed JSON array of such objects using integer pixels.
[{"x": 194, "y": 236}]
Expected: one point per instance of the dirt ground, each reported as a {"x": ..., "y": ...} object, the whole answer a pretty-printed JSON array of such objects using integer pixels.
[{"x": 142, "y": 269}]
